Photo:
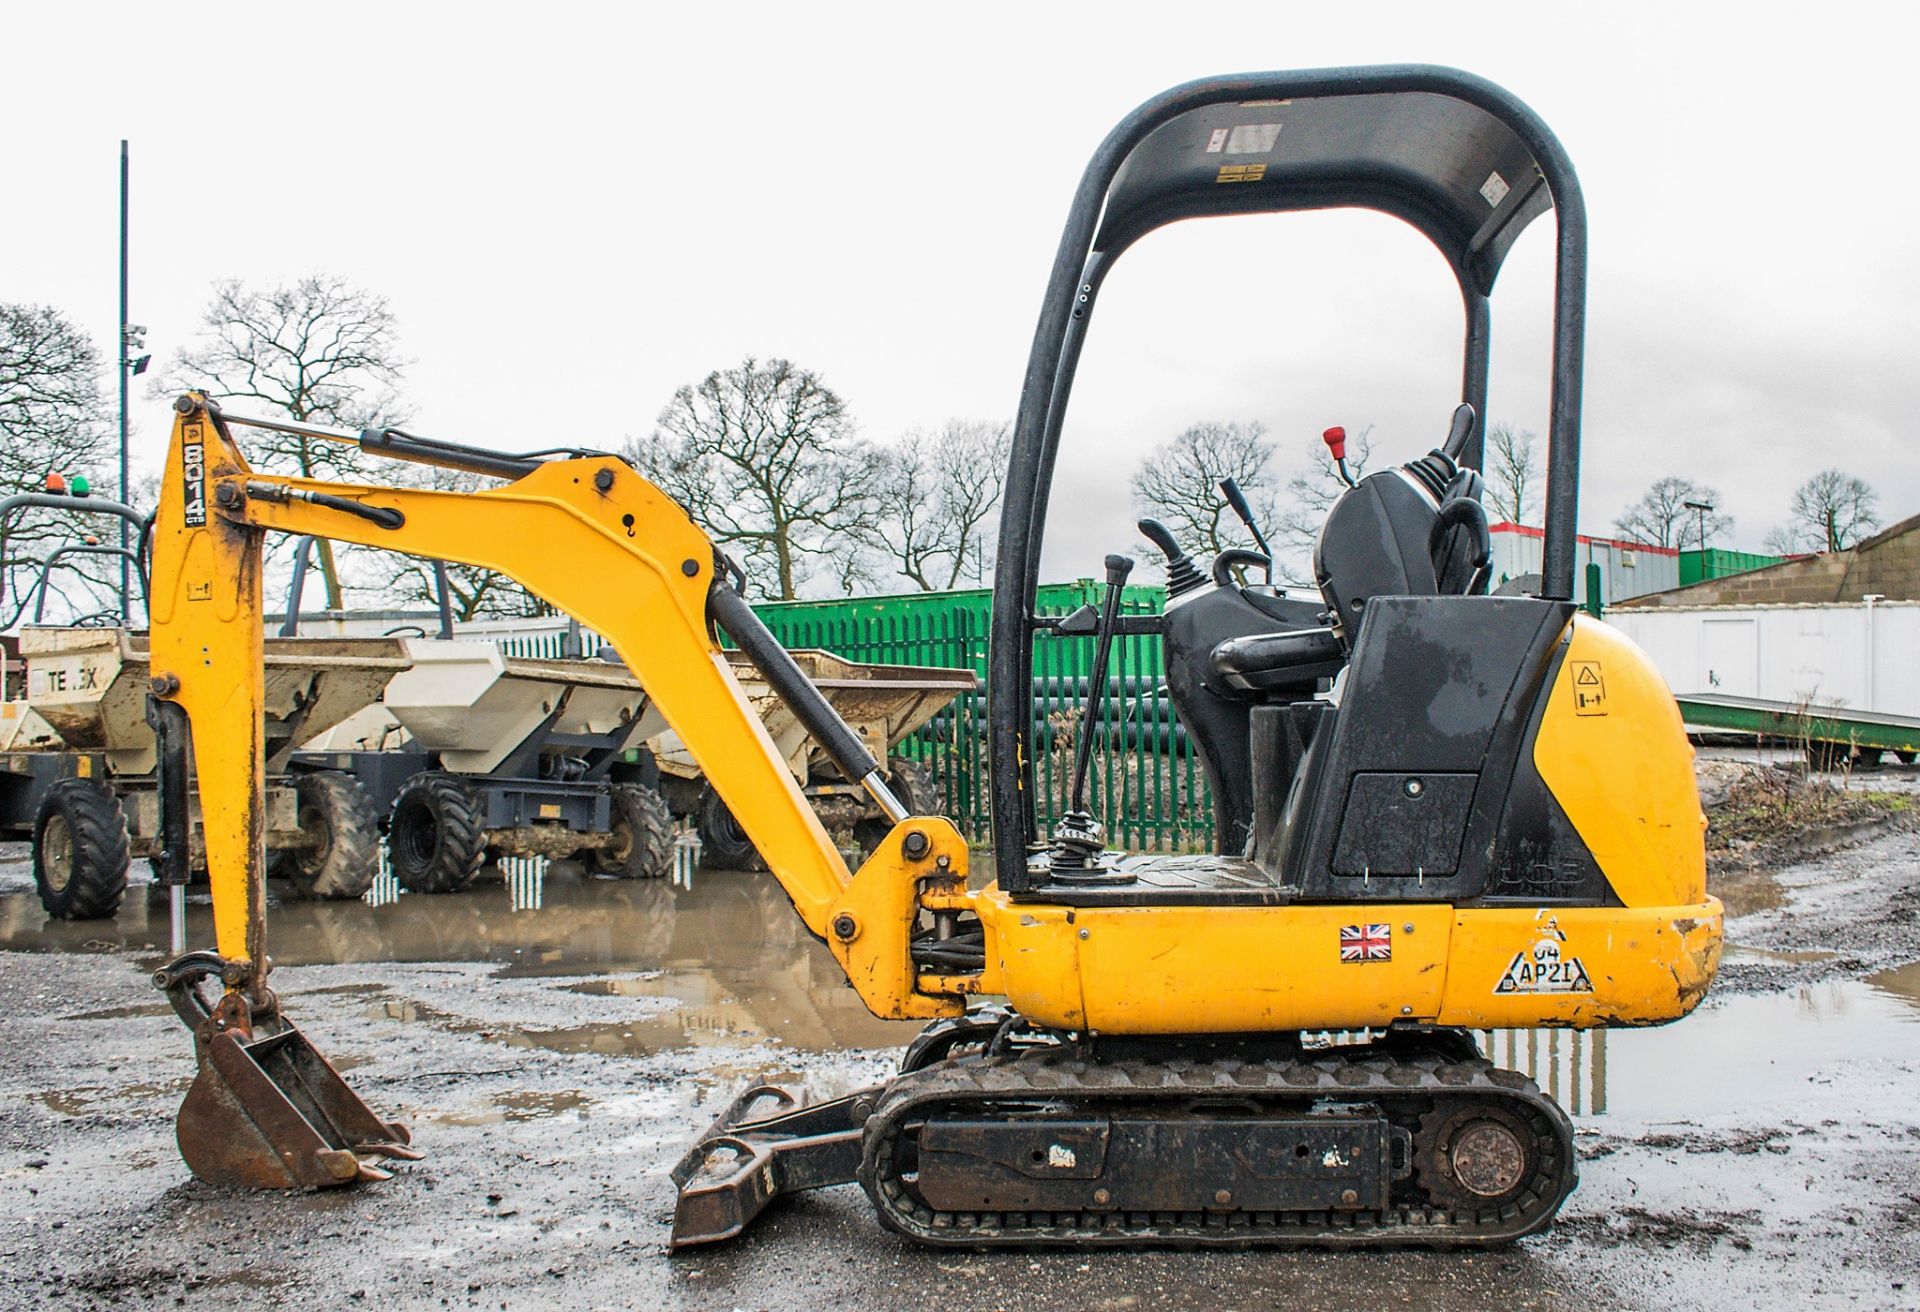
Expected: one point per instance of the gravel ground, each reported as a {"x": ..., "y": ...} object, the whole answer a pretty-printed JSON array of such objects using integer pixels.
[{"x": 554, "y": 1062}]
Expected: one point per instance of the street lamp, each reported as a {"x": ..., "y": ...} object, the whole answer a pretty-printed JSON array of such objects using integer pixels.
[
  {"x": 132, "y": 339},
  {"x": 1700, "y": 510}
]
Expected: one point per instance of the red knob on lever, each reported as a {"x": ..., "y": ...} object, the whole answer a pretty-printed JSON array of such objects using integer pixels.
[{"x": 1336, "y": 440}]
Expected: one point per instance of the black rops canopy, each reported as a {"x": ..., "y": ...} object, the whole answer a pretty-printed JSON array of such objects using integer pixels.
[
  {"x": 1451, "y": 154},
  {"x": 1451, "y": 169}
]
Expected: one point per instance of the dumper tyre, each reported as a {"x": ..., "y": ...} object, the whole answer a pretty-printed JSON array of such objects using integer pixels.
[
  {"x": 436, "y": 835},
  {"x": 724, "y": 845},
  {"x": 913, "y": 784},
  {"x": 642, "y": 835},
  {"x": 340, "y": 814},
  {"x": 80, "y": 852}
]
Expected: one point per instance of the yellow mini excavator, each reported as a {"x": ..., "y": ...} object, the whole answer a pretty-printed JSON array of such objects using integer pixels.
[{"x": 1440, "y": 810}]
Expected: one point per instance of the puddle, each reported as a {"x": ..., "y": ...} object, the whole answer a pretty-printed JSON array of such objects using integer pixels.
[
  {"x": 1800, "y": 957},
  {"x": 724, "y": 964},
  {"x": 1764, "y": 1056},
  {"x": 1901, "y": 982},
  {"x": 728, "y": 953},
  {"x": 85, "y": 1099},
  {"x": 527, "y": 1105},
  {"x": 124, "y": 1013},
  {"x": 1744, "y": 892}
]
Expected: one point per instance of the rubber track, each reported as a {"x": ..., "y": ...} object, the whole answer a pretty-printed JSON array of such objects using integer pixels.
[{"x": 1402, "y": 1086}]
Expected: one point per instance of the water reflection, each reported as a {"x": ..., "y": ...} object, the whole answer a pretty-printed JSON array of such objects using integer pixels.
[
  {"x": 722, "y": 961},
  {"x": 526, "y": 881},
  {"x": 729, "y": 952},
  {"x": 1569, "y": 1065}
]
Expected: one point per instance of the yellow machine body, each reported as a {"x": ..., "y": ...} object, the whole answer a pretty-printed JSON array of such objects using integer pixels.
[{"x": 597, "y": 541}]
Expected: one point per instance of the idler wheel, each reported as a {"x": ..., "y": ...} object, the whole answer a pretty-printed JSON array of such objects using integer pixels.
[{"x": 1474, "y": 1156}]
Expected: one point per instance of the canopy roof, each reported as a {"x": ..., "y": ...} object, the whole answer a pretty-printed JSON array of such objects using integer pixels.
[{"x": 1448, "y": 167}]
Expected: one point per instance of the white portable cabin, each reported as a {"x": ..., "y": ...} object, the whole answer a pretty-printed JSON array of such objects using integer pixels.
[{"x": 1859, "y": 655}]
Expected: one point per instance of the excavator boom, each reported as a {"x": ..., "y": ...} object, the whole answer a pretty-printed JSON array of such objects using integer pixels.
[
  {"x": 595, "y": 540},
  {"x": 587, "y": 535}
]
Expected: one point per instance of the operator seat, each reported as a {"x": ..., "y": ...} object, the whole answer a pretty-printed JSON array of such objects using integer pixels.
[{"x": 1418, "y": 530}]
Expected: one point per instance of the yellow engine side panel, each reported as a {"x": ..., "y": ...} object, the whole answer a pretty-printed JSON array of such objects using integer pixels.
[
  {"x": 1227, "y": 970},
  {"x": 1615, "y": 755}
]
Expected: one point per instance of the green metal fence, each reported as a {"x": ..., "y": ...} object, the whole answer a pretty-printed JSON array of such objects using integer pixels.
[{"x": 1145, "y": 783}]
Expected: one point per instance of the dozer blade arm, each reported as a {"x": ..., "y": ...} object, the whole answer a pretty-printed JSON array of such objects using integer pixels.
[{"x": 594, "y": 539}]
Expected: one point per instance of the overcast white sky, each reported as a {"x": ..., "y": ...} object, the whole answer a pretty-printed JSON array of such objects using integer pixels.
[{"x": 576, "y": 208}]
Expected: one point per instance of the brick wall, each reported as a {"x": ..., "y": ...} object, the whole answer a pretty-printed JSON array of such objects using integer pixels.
[{"x": 1887, "y": 563}]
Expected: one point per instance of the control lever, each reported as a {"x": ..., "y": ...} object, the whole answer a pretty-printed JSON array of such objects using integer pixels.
[
  {"x": 1182, "y": 575},
  {"x": 1238, "y": 500},
  {"x": 1078, "y": 838},
  {"x": 1458, "y": 432},
  {"x": 1336, "y": 440}
]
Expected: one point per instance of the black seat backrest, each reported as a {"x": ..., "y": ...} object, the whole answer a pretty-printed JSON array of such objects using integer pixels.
[
  {"x": 1374, "y": 544},
  {"x": 1385, "y": 537}
]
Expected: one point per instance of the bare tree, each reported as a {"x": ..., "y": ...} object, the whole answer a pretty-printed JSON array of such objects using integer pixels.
[
  {"x": 765, "y": 458},
  {"x": 1179, "y": 483},
  {"x": 1661, "y": 518},
  {"x": 53, "y": 419},
  {"x": 1311, "y": 493},
  {"x": 1513, "y": 473},
  {"x": 1831, "y": 511},
  {"x": 940, "y": 500},
  {"x": 320, "y": 351}
]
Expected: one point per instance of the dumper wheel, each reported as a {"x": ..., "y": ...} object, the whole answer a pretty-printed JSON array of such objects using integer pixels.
[
  {"x": 339, "y": 816},
  {"x": 724, "y": 845},
  {"x": 436, "y": 838},
  {"x": 913, "y": 784},
  {"x": 80, "y": 850},
  {"x": 642, "y": 835}
]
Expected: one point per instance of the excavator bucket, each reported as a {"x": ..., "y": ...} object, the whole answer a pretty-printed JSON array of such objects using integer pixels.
[{"x": 267, "y": 1111}]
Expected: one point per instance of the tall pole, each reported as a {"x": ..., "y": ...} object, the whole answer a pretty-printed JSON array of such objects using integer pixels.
[{"x": 126, "y": 583}]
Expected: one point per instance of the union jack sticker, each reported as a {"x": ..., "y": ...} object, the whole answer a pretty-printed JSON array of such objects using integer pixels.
[{"x": 1366, "y": 942}]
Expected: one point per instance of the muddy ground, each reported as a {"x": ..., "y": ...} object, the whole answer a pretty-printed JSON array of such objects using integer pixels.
[{"x": 556, "y": 1044}]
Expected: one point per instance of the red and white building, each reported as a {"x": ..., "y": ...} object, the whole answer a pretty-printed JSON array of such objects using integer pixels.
[{"x": 1627, "y": 569}]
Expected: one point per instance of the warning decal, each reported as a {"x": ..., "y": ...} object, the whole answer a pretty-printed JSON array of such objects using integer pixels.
[
  {"x": 1241, "y": 173},
  {"x": 1589, "y": 689},
  {"x": 1543, "y": 969}
]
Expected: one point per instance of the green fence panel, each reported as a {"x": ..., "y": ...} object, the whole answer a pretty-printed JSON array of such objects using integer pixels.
[{"x": 1144, "y": 781}]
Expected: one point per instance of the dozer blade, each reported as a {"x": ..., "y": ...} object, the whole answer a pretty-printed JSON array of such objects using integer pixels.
[
  {"x": 764, "y": 1145},
  {"x": 266, "y": 1110}
]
